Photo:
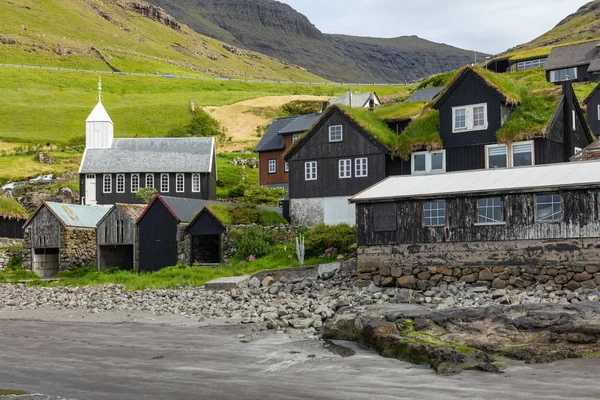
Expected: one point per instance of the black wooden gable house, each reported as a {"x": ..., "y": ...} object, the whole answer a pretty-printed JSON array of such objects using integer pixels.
[
  {"x": 592, "y": 103},
  {"x": 206, "y": 232},
  {"x": 116, "y": 237},
  {"x": 480, "y": 126},
  {"x": 12, "y": 218},
  {"x": 575, "y": 62}
]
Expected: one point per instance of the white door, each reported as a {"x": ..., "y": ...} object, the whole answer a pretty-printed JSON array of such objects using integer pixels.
[
  {"x": 337, "y": 210},
  {"x": 90, "y": 189}
]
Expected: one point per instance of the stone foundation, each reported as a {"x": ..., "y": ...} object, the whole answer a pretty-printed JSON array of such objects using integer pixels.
[
  {"x": 77, "y": 248},
  {"x": 9, "y": 249},
  {"x": 569, "y": 264}
]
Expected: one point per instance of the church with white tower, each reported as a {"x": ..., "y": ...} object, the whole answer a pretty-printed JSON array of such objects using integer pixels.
[{"x": 113, "y": 170}]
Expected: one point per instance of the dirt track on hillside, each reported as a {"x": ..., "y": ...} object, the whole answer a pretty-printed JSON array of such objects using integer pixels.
[{"x": 241, "y": 122}]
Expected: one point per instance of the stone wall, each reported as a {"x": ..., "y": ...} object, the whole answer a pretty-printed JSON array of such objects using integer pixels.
[
  {"x": 183, "y": 245},
  {"x": 306, "y": 212},
  {"x": 77, "y": 248},
  {"x": 9, "y": 249},
  {"x": 568, "y": 264},
  {"x": 27, "y": 256}
]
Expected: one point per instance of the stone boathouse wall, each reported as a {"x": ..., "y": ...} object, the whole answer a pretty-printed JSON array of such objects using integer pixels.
[{"x": 564, "y": 264}]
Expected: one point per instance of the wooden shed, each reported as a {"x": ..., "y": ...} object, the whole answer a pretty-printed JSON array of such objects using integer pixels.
[
  {"x": 116, "y": 237},
  {"x": 61, "y": 237},
  {"x": 12, "y": 218},
  {"x": 206, "y": 232}
]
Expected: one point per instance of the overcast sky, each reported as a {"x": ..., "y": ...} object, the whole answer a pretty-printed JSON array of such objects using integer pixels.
[{"x": 484, "y": 25}]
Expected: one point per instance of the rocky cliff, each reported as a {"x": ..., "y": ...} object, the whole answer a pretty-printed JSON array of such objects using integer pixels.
[{"x": 278, "y": 30}]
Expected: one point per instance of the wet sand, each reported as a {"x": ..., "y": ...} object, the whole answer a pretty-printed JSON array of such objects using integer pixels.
[{"x": 100, "y": 356}]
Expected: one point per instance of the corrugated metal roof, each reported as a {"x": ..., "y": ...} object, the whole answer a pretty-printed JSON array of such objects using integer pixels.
[
  {"x": 425, "y": 94},
  {"x": 484, "y": 181},
  {"x": 75, "y": 215},
  {"x": 98, "y": 114},
  {"x": 151, "y": 155},
  {"x": 301, "y": 123},
  {"x": 271, "y": 140},
  {"x": 592, "y": 152},
  {"x": 572, "y": 55}
]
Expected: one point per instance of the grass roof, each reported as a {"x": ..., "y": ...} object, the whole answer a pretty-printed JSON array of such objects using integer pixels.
[
  {"x": 400, "y": 111},
  {"x": 371, "y": 123},
  {"x": 422, "y": 133},
  {"x": 11, "y": 209},
  {"x": 224, "y": 214}
]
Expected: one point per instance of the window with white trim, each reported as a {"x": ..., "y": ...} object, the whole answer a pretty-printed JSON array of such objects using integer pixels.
[
  {"x": 490, "y": 211},
  {"x": 196, "y": 183},
  {"x": 135, "y": 183},
  {"x": 150, "y": 180},
  {"x": 310, "y": 171},
  {"x": 335, "y": 133},
  {"x": 180, "y": 183},
  {"x": 295, "y": 137},
  {"x": 496, "y": 156},
  {"x": 164, "y": 183},
  {"x": 427, "y": 162},
  {"x": 286, "y": 166},
  {"x": 530, "y": 64},
  {"x": 469, "y": 118},
  {"x": 272, "y": 166},
  {"x": 120, "y": 183},
  {"x": 344, "y": 169},
  {"x": 560, "y": 75},
  {"x": 434, "y": 213},
  {"x": 522, "y": 154},
  {"x": 548, "y": 208},
  {"x": 361, "y": 167},
  {"x": 106, "y": 183}
]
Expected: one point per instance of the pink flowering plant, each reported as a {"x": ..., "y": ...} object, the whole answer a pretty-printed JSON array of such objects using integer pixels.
[
  {"x": 330, "y": 253},
  {"x": 251, "y": 257}
]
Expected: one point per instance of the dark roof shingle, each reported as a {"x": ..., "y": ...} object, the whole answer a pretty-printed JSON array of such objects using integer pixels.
[{"x": 572, "y": 55}]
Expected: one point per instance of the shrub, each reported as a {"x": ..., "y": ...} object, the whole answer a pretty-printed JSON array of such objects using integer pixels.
[
  {"x": 299, "y": 107},
  {"x": 245, "y": 215},
  {"x": 323, "y": 237},
  {"x": 253, "y": 241},
  {"x": 200, "y": 125},
  {"x": 263, "y": 196},
  {"x": 268, "y": 217},
  {"x": 236, "y": 192},
  {"x": 146, "y": 194}
]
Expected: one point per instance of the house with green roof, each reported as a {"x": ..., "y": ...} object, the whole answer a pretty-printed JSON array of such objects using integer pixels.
[{"x": 12, "y": 218}]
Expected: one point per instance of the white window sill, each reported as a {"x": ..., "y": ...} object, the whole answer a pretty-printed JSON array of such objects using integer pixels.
[
  {"x": 490, "y": 224},
  {"x": 480, "y": 128}
]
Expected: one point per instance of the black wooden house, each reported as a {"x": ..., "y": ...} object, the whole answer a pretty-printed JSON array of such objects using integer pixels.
[
  {"x": 12, "y": 218},
  {"x": 593, "y": 110},
  {"x": 575, "y": 62},
  {"x": 206, "y": 232},
  {"x": 116, "y": 237}
]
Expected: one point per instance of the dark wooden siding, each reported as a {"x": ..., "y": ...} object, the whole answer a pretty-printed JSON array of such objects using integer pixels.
[
  {"x": 318, "y": 148},
  {"x": 471, "y": 90},
  {"x": 207, "y": 188},
  {"x": 45, "y": 230},
  {"x": 592, "y": 113},
  {"x": 106, "y": 233},
  {"x": 398, "y": 166},
  {"x": 581, "y": 220},
  {"x": 11, "y": 228},
  {"x": 582, "y": 74},
  {"x": 157, "y": 232},
  {"x": 465, "y": 158}
]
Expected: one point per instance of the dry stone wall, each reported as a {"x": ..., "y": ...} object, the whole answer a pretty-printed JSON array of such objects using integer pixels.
[
  {"x": 570, "y": 264},
  {"x": 77, "y": 248},
  {"x": 9, "y": 249}
]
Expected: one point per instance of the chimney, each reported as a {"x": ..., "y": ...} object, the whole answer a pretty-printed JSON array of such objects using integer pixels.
[
  {"x": 349, "y": 97},
  {"x": 371, "y": 102},
  {"x": 570, "y": 122},
  {"x": 325, "y": 106}
]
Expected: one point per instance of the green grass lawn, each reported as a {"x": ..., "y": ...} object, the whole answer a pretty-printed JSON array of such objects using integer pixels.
[
  {"x": 282, "y": 256},
  {"x": 231, "y": 175}
]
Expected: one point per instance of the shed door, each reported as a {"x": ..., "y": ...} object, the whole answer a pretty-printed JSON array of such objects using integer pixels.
[{"x": 90, "y": 189}]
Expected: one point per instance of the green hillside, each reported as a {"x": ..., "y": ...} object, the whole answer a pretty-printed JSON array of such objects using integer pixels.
[{"x": 133, "y": 36}]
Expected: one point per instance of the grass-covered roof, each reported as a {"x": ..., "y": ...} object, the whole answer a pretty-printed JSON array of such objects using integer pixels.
[
  {"x": 11, "y": 209},
  {"x": 372, "y": 124},
  {"x": 399, "y": 111},
  {"x": 422, "y": 133}
]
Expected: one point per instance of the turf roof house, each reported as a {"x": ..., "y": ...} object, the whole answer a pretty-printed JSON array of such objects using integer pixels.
[
  {"x": 113, "y": 170},
  {"x": 346, "y": 151},
  {"x": 479, "y": 122},
  {"x": 281, "y": 134},
  {"x": 513, "y": 63},
  {"x": 12, "y": 218},
  {"x": 61, "y": 237},
  {"x": 575, "y": 62}
]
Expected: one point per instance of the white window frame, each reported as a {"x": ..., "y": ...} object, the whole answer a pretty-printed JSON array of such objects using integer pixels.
[
  {"x": 509, "y": 153},
  {"x": 361, "y": 167},
  {"x": 107, "y": 178},
  {"x": 345, "y": 168},
  {"x": 180, "y": 179},
  {"x": 531, "y": 64},
  {"x": 554, "y": 75},
  {"x": 272, "y": 166},
  {"x": 149, "y": 177},
  {"x": 286, "y": 166},
  {"x": 437, "y": 210},
  {"x": 487, "y": 206},
  {"x": 295, "y": 137},
  {"x": 512, "y": 154},
  {"x": 136, "y": 178},
  {"x": 196, "y": 183},
  {"x": 310, "y": 167},
  {"x": 120, "y": 184},
  {"x": 487, "y": 154},
  {"x": 469, "y": 118},
  {"x": 341, "y": 131},
  {"x": 428, "y": 162},
  {"x": 553, "y": 202},
  {"x": 574, "y": 118},
  {"x": 162, "y": 181}
]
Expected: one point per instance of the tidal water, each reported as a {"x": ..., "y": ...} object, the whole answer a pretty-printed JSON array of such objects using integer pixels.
[{"x": 5, "y": 395}]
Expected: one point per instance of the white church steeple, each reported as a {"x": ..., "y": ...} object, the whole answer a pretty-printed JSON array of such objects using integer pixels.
[{"x": 98, "y": 126}]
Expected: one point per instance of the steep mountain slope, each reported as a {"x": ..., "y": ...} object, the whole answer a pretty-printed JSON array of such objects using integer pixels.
[
  {"x": 278, "y": 30},
  {"x": 583, "y": 25},
  {"x": 127, "y": 35}
]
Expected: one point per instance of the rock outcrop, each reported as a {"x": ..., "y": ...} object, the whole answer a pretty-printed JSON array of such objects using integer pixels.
[{"x": 155, "y": 13}]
